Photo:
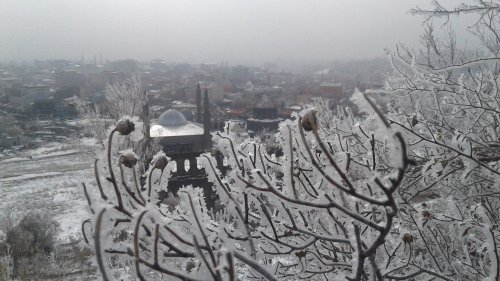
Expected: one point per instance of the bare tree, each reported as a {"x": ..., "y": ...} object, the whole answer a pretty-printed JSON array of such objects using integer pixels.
[
  {"x": 320, "y": 211},
  {"x": 445, "y": 101},
  {"x": 124, "y": 98},
  {"x": 413, "y": 195},
  {"x": 95, "y": 123}
]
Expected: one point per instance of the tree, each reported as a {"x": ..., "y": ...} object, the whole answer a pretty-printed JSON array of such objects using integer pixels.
[
  {"x": 445, "y": 101},
  {"x": 124, "y": 98},
  {"x": 95, "y": 123},
  {"x": 409, "y": 195},
  {"x": 322, "y": 210}
]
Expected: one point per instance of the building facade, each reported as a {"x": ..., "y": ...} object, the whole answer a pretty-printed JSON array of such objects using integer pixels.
[{"x": 183, "y": 141}]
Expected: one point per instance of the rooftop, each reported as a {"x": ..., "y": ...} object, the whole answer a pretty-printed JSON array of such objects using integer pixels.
[
  {"x": 172, "y": 118},
  {"x": 188, "y": 129},
  {"x": 172, "y": 123}
]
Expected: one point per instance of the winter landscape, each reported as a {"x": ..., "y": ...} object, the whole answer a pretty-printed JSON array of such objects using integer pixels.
[
  {"x": 48, "y": 181},
  {"x": 329, "y": 141}
]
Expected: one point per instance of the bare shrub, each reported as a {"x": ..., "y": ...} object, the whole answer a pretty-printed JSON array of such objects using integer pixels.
[{"x": 31, "y": 239}]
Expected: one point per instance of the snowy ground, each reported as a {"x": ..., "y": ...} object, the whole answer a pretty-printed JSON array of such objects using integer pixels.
[{"x": 47, "y": 180}]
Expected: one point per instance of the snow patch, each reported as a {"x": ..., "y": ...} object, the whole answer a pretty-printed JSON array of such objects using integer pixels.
[{"x": 31, "y": 176}]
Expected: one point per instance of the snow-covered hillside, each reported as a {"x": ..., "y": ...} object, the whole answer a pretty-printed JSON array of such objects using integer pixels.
[{"x": 47, "y": 180}]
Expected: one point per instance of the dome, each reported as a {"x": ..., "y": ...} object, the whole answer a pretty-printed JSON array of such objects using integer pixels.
[{"x": 172, "y": 118}]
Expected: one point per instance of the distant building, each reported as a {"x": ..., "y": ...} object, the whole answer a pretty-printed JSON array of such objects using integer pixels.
[
  {"x": 264, "y": 117},
  {"x": 187, "y": 109},
  {"x": 68, "y": 79},
  {"x": 330, "y": 90},
  {"x": 9, "y": 82},
  {"x": 240, "y": 74},
  {"x": 43, "y": 108},
  {"x": 111, "y": 77},
  {"x": 21, "y": 98}
]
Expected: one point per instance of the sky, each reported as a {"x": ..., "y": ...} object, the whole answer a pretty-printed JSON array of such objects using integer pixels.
[{"x": 233, "y": 31}]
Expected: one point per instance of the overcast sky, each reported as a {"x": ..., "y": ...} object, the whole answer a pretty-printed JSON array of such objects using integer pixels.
[{"x": 235, "y": 31}]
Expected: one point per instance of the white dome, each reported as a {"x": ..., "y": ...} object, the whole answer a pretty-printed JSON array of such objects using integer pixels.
[{"x": 172, "y": 118}]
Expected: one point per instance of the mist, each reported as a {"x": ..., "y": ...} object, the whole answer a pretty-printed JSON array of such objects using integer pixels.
[{"x": 234, "y": 31}]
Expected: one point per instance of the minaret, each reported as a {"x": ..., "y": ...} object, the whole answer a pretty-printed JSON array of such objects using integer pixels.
[
  {"x": 198, "y": 103},
  {"x": 206, "y": 115}
]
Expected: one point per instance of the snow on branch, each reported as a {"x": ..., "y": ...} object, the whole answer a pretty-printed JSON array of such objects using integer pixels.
[{"x": 308, "y": 215}]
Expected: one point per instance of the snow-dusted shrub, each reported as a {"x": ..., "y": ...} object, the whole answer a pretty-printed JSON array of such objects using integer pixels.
[
  {"x": 321, "y": 210},
  {"x": 30, "y": 240},
  {"x": 33, "y": 234}
]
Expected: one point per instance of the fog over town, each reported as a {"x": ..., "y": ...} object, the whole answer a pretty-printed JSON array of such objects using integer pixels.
[
  {"x": 236, "y": 32},
  {"x": 249, "y": 140}
]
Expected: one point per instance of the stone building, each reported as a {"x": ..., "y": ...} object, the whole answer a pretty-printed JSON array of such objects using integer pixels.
[{"x": 183, "y": 141}]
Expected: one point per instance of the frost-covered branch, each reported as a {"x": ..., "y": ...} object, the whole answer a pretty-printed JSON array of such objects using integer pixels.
[
  {"x": 281, "y": 216},
  {"x": 446, "y": 103}
]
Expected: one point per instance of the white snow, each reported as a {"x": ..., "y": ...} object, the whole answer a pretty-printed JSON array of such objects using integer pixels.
[
  {"x": 42, "y": 156},
  {"x": 184, "y": 130},
  {"x": 30, "y": 176},
  {"x": 49, "y": 183},
  {"x": 88, "y": 141}
]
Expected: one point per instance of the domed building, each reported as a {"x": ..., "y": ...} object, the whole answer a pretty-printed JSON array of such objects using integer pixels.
[
  {"x": 177, "y": 134},
  {"x": 183, "y": 141}
]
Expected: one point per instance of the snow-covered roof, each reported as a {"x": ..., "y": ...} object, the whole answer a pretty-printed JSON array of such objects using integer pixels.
[
  {"x": 172, "y": 123},
  {"x": 171, "y": 118},
  {"x": 188, "y": 129}
]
